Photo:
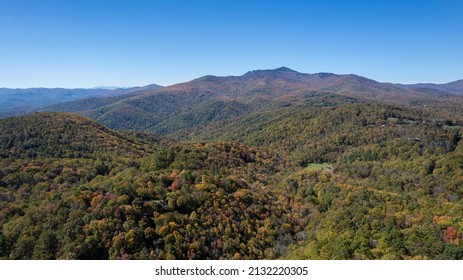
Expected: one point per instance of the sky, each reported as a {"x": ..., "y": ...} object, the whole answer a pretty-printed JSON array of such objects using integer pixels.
[{"x": 88, "y": 43}]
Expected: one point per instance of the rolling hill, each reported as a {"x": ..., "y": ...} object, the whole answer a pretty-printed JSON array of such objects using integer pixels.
[
  {"x": 63, "y": 135},
  {"x": 72, "y": 189}
]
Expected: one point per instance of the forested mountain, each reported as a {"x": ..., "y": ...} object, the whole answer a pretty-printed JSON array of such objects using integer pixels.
[
  {"x": 70, "y": 188},
  {"x": 213, "y": 99},
  {"x": 455, "y": 87},
  {"x": 15, "y": 102},
  {"x": 271, "y": 164}
]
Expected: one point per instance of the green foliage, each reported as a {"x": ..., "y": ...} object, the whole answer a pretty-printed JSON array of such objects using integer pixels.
[
  {"x": 198, "y": 201},
  {"x": 321, "y": 176}
]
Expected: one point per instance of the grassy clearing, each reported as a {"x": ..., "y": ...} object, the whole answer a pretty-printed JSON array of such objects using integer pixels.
[
  {"x": 400, "y": 121},
  {"x": 319, "y": 166}
]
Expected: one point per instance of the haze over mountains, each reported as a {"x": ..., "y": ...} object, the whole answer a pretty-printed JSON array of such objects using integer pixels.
[
  {"x": 455, "y": 87},
  {"x": 15, "y": 102}
]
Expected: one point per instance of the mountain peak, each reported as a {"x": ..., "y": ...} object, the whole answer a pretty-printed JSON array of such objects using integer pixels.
[
  {"x": 284, "y": 69},
  {"x": 324, "y": 75},
  {"x": 271, "y": 72}
]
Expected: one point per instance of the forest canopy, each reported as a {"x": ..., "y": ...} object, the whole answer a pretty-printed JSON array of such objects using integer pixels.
[{"x": 281, "y": 171}]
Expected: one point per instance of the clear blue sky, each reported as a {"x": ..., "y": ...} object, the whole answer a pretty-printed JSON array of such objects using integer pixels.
[{"x": 88, "y": 43}]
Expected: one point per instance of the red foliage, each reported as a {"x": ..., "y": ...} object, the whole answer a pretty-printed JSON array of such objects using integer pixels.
[{"x": 450, "y": 234}]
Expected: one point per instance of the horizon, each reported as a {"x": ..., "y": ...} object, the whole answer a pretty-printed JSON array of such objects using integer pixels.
[
  {"x": 116, "y": 87},
  {"x": 87, "y": 44}
]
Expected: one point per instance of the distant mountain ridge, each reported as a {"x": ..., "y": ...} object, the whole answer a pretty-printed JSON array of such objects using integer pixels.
[
  {"x": 15, "y": 102},
  {"x": 212, "y": 99},
  {"x": 455, "y": 87}
]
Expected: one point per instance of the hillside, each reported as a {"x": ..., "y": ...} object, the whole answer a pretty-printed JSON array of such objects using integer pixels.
[
  {"x": 60, "y": 135},
  {"x": 128, "y": 195},
  {"x": 211, "y": 100},
  {"x": 309, "y": 133}
]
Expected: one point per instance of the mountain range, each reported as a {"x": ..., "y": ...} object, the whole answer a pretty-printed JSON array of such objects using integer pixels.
[
  {"x": 230, "y": 96},
  {"x": 15, "y": 102},
  {"x": 270, "y": 164},
  {"x": 455, "y": 87},
  {"x": 210, "y": 99}
]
